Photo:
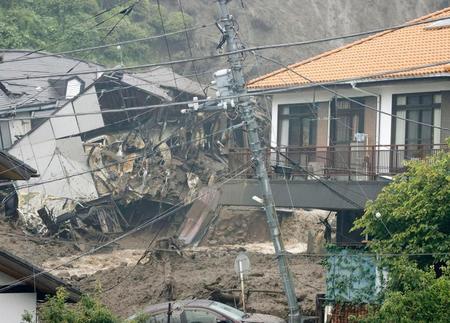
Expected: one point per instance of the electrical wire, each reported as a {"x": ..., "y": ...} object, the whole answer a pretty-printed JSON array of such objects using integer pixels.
[
  {"x": 188, "y": 41},
  {"x": 286, "y": 89},
  {"x": 163, "y": 27},
  {"x": 77, "y": 63},
  {"x": 7, "y": 107},
  {"x": 123, "y": 161},
  {"x": 88, "y": 28},
  {"x": 310, "y": 85},
  {"x": 348, "y": 98},
  {"x": 155, "y": 219},
  {"x": 262, "y": 47},
  {"x": 242, "y": 50},
  {"x": 125, "y": 42}
]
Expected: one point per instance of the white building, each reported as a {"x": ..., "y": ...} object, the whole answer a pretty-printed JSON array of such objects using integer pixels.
[{"x": 361, "y": 110}]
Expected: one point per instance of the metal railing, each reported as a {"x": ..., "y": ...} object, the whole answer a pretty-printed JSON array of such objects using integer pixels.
[{"x": 354, "y": 161}]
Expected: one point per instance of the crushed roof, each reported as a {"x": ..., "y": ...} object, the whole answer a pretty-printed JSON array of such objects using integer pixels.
[
  {"x": 392, "y": 50},
  {"x": 23, "y": 63},
  {"x": 165, "y": 77}
]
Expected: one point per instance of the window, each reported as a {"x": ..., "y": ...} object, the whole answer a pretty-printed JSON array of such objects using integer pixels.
[
  {"x": 347, "y": 120},
  {"x": 232, "y": 312},
  {"x": 297, "y": 125},
  {"x": 414, "y": 137},
  {"x": 201, "y": 316}
]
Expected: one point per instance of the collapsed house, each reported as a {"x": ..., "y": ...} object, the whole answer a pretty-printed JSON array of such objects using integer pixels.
[{"x": 119, "y": 152}]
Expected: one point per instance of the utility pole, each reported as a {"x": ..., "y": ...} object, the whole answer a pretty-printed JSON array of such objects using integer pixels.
[{"x": 246, "y": 110}]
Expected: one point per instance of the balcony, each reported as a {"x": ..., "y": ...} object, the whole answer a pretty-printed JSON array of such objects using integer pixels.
[{"x": 340, "y": 162}]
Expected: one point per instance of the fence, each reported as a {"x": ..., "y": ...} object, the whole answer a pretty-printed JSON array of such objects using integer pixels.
[{"x": 354, "y": 162}]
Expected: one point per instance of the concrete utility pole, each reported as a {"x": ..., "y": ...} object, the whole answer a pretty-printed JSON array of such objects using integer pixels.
[{"x": 246, "y": 111}]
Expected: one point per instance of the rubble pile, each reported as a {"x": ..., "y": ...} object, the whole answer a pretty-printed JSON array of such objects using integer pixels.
[
  {"x": 157, "y": 164},
  {"x": 138, "y": 164}
]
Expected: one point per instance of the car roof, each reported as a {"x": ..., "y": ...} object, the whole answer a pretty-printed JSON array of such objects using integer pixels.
[{"x": 183, "y": 303}]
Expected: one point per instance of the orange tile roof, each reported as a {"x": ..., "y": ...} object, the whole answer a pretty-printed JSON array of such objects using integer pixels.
[{"x": 392, "y": 50}]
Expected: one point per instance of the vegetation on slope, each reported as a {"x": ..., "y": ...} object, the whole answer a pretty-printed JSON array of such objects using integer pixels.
[{"x": 61, "y": 25}]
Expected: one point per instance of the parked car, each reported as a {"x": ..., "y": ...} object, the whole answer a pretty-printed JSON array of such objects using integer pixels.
[{"x": 201, "y": 311}]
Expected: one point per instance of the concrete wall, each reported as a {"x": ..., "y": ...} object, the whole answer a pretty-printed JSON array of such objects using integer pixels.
[
  {"x": 56, "y": 151},
  {"x": 14, "y": 305}
]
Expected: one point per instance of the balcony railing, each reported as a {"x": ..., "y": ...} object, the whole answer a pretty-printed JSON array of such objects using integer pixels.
[{"x": 354, "y": 161}]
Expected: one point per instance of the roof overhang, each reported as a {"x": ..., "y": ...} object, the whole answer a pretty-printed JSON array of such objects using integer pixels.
[
  {"x": 347, "y": 83},
  {"x": 20, "y": 269},
  {"x": 12, "y": 168}
]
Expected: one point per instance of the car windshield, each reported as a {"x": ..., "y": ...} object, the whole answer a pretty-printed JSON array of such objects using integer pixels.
[{"x": 229, "y": 311}]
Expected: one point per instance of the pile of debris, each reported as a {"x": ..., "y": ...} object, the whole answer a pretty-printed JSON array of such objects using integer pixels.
[{"x": 138, "y": 174}]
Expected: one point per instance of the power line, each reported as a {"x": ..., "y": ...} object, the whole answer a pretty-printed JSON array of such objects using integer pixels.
[
  {"x": 161, "y": 216},
  {"x": 7, "y": 107},
  {"x": 261, "y": 47},
  {"x": 350, "y": 99},
  {"x": 272, "y": 91},
  {"x": 243, "y": 50},
  {"x": 88, "y": 28},
  {"x": 277, "y": 91},
  {"x": 125, "y": 42},
  {"x": 262, "y": 92},
  {"x": 79, "y": 62},
  {"x": 188, "y": 41},
  {"x": 123, "y": 161},
  {"x": 166, "y": 41}
]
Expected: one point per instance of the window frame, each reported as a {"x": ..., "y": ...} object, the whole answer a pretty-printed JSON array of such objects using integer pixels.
[
  {"x": 308, "y": 113},
  {"x": 217, "y": 315},
  {"x": 335, "y": 113},
  {"x": 418, "y": 107}
]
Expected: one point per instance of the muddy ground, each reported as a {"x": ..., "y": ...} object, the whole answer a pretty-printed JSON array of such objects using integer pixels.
[{"x": 205, "y": 271}]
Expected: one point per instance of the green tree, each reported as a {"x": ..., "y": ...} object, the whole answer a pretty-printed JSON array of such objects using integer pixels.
[
  {"x": 413, "y": 295},
  {"x": 87, "y": 310},
  {"x": 413, "y": 213},
  {"x": 411, "y": 218},
  {"x": 62, "y": 25}
]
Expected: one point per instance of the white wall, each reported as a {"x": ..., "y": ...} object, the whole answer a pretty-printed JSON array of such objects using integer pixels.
[
  {"x": 14, "y": 305},
  {"x": 19, "y": 127},
  {"x": 56, "y": 151},
  {"x": 386, "y": 92}
]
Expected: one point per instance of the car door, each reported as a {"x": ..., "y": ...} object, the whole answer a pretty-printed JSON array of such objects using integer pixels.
[{"x": 201, "y": 315}]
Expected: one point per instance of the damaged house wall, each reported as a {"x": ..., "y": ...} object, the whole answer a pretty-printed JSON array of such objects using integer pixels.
[
  {"x": 159, "y": 155},
  {"x": 55, "y": 149},
  {"x": 36, "y": 96}
]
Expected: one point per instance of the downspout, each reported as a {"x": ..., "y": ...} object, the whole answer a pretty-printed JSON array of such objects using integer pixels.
[{"x": 378, "y": 96}]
